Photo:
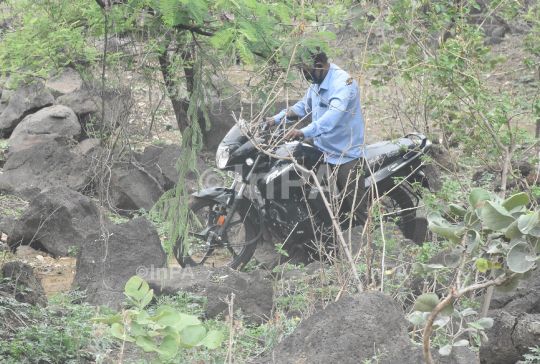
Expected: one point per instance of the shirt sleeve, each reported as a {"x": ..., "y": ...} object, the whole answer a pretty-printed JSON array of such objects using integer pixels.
[
  {"x": 337, "y": 108},
  {"x": 302, "y": 107}
]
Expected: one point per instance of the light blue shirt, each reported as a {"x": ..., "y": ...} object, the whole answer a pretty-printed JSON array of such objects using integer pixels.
[{"x": 337, "y": 124}]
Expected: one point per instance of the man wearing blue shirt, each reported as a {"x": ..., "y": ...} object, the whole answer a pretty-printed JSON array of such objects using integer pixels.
[{"x": 337, "y": 126}]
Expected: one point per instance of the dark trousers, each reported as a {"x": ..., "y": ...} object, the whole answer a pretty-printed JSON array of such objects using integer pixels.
[{"x": 353, "y": 194}]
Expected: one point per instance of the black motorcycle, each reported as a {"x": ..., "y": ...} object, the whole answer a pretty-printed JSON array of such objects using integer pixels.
[{"x": 225, "y": 224}]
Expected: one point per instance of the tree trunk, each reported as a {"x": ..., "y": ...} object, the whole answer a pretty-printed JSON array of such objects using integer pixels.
[{"x": 180, "y": 104}]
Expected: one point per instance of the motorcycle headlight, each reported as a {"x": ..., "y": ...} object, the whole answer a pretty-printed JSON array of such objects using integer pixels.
[{"x": 222, "y": 156}]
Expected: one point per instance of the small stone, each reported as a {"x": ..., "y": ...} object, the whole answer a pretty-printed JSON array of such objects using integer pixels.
[{"x": 40, "y": 258}]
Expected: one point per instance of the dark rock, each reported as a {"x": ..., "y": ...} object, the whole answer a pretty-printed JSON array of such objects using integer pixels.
[
  {"x": 65, "y": 81},
  {"x": 499, "y": 32},
  {"x": 105, "y": 265},
  {"x": 131, "y": 190},
  {"x": 267, "y": 255},
  {"x": 253, "y": 294},
  {"x": 52, "y": 163},
  {"x": 161, "y": 162},
  {"x": 525, "y": 299},
  {"x": 353, "y": 330},
  {"x": 7, "y": 223},
  {"x": 55, "y": 220},
  {"x": 492, "y": 41},
  {"x": 21, "y": 274},
  {"x": 44, "y": 125},
  {"x": 434, "y": 177},
  {"x": 443, "y": 158},
  {"x": 500, "y": 349},
  {"x": 80, "y": 101},
  {"x": 88, "y": 146},
  {"x": 26, "y": 100}
]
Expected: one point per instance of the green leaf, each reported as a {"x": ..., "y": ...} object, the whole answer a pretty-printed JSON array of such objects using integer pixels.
[
  {"x": 432, "y": 267},
  {"x": 475, "y": 325},
  {"x": 146, "y": 343},
  {"x": 513, "y": 231},
  {"x": 142, "y": 318},
  {"x": 482, "y": 265},
  {"x": 417, "y": 318},
  {"x": 457, "y": 210},
  {"x": 445, "y": 350},
  {"x": 447, "y": 310},
  {"x": 117, "y": 330},
  {"x": 517, "y": 258},
  {"x": 463, "y": 342},
  {"x": 212, "y": 340},
  {"x": 443, "y": 228},
  {"x": 111, "y": 320},
  {"x": 472, "y": 241},
  {"x": 136, "y": 329},
  {"x": 468, "y": 312},
  {"x": 486, "y": 322},
  {"x": 419, "y": 268},
  {"x": 495, "y": 216},
  {"x": 426, "y": 302},
  {"x": 192, "y": 335},
  {"x": 519, "y": 199},
  {"x": 147, "y": 298},
  {"x": 137, "y": 288},
  {"x": 399, "y": 41},
  {"x": 509, "y": 284},
  {"x": 169, "y": 345},
  {"x": 527, "y": 222},
  {"x": 453, "y": 259},
  {"x": 185, "y": 321},
  {"x": 477, "y": 196}
]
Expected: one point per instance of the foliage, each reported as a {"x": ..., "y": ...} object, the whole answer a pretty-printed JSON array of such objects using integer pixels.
[
  {"x": 533, "y": 356},
  {"x": 59, "y": 333},
  {"x": 162, "y": 333},
  {"x": 488, "y": 234}
]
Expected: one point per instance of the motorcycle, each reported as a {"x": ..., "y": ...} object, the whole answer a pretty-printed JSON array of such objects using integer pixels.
[{"x": 226, "y": 223}]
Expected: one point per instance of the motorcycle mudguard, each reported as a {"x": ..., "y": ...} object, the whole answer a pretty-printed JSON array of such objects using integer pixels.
[{"x": 225, "y": 197}]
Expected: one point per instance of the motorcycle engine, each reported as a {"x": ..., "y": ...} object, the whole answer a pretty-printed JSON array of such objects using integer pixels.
[{"x": 290, "y": 218}]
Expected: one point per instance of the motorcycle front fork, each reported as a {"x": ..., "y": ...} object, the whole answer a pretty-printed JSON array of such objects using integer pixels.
[{"x": 237, "y": 199}]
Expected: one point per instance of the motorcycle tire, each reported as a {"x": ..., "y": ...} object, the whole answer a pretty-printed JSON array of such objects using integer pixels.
[
  {"x": 402, "y": 201},
  {"x": 242, "y": 229}
]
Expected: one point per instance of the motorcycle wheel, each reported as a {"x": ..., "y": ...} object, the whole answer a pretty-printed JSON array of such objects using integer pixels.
[
  {"x": 203, "y": 218},
  {"x": 399, "y": 207}
]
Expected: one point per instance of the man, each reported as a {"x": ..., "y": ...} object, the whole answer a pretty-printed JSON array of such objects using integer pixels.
[{"x": 337, "y": 126}]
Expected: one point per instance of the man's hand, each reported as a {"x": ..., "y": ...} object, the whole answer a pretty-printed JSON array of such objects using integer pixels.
[
  {"x": 271, "y": 121},
  {"x": 294, "y": 134}
]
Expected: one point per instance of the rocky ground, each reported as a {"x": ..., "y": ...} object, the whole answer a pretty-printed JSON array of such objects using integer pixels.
[{"x": 65, "y": 258}]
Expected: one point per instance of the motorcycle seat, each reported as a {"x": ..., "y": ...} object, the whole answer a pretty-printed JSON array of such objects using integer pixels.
[{"x": 388, "y": 151}]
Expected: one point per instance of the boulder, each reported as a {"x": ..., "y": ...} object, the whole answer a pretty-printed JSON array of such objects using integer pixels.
[
  {"x": 16, "y": 274},
  {"x": 434, "y": 177},
  {"x": 511, "y": 336},
  {"x": 353, "y": 330},
  {"x": 443, "y": 158},
  {"x": 44, "y": 125},
  {"x": 253, "y": 294},
  {"x": 52, "y": 163},
  {"x": 131, "y": 190},
  {"x": 25, "y": 101},
  {"x": 7, "y": 223},
  {"x": 516, "y": 327},
  {"x": 88, "y": 146},
  {"x": 80, "y": 101},
  {"x": 65, "y": 81},
  {"x": 55, "y": 220},
  {"x": 104, "y": 265},
  {"x": 161, "y": 162}
]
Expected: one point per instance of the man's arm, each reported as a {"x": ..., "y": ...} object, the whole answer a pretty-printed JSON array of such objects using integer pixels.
[
  {"x": 302, "y": 108},
  {"x": 338, "y": 101}
]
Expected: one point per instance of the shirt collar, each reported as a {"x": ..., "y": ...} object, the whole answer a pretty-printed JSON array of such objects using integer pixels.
[{"x": 326, "y": 82}]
